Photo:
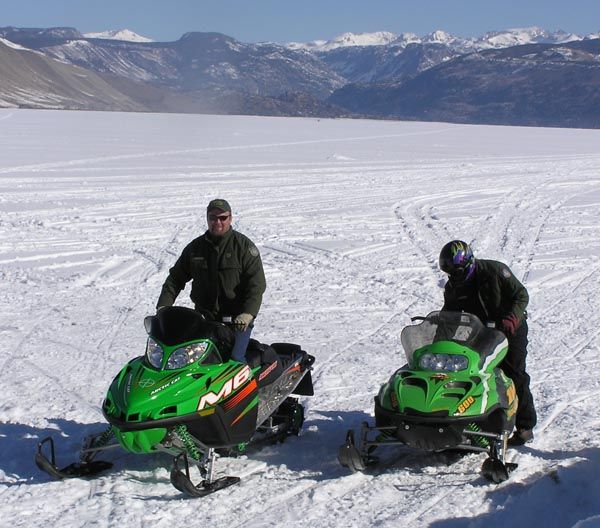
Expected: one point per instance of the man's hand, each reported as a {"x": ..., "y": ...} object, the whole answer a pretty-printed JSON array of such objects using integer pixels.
[
  {"x": 509, "y": 325},
  {"x": 242, "y": 322}
]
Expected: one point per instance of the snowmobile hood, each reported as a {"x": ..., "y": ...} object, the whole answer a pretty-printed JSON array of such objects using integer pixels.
[
  {"x": 444, "y": 379},
  {"x": 142, "y": 395}
]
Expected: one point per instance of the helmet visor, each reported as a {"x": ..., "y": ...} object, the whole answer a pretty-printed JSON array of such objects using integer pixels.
[{"x": 459, "y": 273}]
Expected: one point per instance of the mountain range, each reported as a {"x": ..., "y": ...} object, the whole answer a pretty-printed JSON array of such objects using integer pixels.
[{"x": 523, "y": 76}]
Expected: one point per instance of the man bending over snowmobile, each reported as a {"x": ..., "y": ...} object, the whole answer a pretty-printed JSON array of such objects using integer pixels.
[
  {"x": 226, "y": 273},
  {"x": 489, "y": 290}
]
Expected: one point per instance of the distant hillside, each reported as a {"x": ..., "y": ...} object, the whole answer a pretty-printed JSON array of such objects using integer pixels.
[
  {"x": 522, "y": 76},
  {"x": 30, "y": 79},
  {"x": 536, "y": 84}
]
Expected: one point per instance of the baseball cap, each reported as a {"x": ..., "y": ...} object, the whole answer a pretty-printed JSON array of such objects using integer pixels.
[{"x": 219, "y": 203}]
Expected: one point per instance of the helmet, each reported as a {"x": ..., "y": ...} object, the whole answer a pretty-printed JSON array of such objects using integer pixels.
[{"x": 457, "y": 260}]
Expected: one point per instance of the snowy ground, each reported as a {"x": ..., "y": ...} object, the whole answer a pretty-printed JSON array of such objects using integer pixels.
[{"x": 349, "y": 217}]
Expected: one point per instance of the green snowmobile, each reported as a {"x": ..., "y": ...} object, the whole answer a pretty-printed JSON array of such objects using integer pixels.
[
  {"x": 186, "y": 397},
  {"x": 450, "y": 396}
]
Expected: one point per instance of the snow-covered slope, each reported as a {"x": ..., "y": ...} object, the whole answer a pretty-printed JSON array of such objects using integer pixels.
[
  {"x": 12, "y": 44},
  {"x": 496, "y": 39},
  {"x": 349, "y": 217},
  {"x": 520, "y": 36},
  {"x": 119, "y": 34},
  {"x": 380, "y": 38}
]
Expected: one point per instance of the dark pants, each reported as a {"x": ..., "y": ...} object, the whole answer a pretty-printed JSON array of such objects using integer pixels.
[{"x": 514, "y": 367}]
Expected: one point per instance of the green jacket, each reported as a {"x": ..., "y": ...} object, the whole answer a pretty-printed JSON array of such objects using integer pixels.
[
  {"x": 493, "y": 293},
  {"x": 227, "y": 275}
]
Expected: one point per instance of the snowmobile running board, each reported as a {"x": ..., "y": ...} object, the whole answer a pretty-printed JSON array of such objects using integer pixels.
[{"x": 74, "y": 470}]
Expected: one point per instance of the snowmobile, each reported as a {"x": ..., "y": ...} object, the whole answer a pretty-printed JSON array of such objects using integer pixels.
[
  {"x": 188, "y": 398},
  {"x": 450, "y": 396}
]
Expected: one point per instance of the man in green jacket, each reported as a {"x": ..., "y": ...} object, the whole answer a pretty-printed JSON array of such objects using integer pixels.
[
  {"x": 489, "y": 290},
  {"x": 226, "y": 273}
]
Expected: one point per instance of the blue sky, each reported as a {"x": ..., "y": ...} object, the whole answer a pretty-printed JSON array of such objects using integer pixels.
[{"x": 305, "y": 20}]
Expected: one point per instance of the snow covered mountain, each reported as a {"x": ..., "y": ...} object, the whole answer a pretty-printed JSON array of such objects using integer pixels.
[
  {"x": 211, "y": 72},
  {"x": 386, "y": 63},
  {"x": 197, "y": 61},
  {"x": 380, "y": 60},
  {"x": 534, "y": 84},
  {"x": 496, "y": 39},
  {"x": 345, "y": 40},
  {"x": 119, "y": 34},
  {"x": 519, "y": 37}
]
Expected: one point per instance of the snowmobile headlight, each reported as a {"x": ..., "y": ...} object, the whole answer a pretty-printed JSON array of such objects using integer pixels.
[
  {"x": 426, "y": 362},
  {"x": 154, "y": 353},
  {"x": 443, "y": 362},
  {"x": 186, "y": 355},
  {"x": 456, "y": 363}
]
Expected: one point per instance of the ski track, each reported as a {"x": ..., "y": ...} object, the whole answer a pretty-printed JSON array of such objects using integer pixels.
[{"x": 349, "y": 227}]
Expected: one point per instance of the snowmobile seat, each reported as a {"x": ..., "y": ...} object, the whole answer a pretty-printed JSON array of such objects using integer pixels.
[
  {"x": 288, "y": 352},
  {"x": 260, "y": 354}
]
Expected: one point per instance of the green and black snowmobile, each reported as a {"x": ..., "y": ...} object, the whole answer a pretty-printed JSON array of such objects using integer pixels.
[
  {"x": 450, "y": 396},
  {"x": 186, "y": 397}
]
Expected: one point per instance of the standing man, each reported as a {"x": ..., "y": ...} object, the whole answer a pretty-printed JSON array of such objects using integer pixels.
[
  {"x": 226, "y": 273},
  {"x": 489, "y": 290}
]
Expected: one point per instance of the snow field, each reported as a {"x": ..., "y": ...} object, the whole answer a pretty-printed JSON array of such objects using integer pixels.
[{"x": 349, "y": 217}]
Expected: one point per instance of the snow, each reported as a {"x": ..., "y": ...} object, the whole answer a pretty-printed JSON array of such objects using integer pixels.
[
  {"x": 12, "y": 44},
  {"x": 349, "y": 217},
  {"x": 119, "y": 34},
  {"x": 379, "y": 38},
  {"x": 495, "y": 39}
]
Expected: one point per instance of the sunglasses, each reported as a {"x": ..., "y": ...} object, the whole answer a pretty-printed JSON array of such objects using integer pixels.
[{"x": 219, "y": 218}]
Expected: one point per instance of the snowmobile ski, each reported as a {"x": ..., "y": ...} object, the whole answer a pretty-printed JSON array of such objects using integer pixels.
[
  {"x": 181, "y": 479},
  {"x": 75, "y": 470},
  {"x": 495, "y": 468}
]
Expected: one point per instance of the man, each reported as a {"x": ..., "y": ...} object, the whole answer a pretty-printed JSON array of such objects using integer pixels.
[
  {"x": 489, "y": 290},
  {"x": 226, "y": 273}
]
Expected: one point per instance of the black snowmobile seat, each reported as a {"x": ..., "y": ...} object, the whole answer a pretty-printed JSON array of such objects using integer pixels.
[
  {"x": 260, "y": 354},
  {"x": 177, "y": 324}
]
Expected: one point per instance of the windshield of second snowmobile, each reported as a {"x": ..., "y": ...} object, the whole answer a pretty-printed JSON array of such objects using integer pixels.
[{"x": 459, "y": 327}]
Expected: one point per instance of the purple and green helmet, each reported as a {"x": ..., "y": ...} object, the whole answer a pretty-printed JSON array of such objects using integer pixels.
[{"x": 457, "y": 260}]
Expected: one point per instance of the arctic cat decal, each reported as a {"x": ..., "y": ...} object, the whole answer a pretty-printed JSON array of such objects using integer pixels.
[
  {"x": 172, "y": 382},
  {"x": 212, "y": 398}
]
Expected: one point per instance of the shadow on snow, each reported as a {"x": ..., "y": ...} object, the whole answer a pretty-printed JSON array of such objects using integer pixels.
[
  {"x": 19, "y": 443},
  {"x": 558, "y": 494}
]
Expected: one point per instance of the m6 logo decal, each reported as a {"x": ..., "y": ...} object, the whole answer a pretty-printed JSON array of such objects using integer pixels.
[{"x": 234, "y": 383}]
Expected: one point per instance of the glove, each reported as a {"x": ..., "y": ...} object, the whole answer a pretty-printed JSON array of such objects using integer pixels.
[
  {"x": 242, "y": 322},
  {"x": 509, "y": 325}
]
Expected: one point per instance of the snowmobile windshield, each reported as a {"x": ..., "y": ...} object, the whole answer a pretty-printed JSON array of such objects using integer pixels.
[
  {"x": 459, "y": 327},
  {"x": 178, "y": 326}
]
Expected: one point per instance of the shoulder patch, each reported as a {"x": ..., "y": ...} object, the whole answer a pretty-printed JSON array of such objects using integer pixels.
[
  {"x": 506, "y": 273},
  {"x": 253, "y": 251}
]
